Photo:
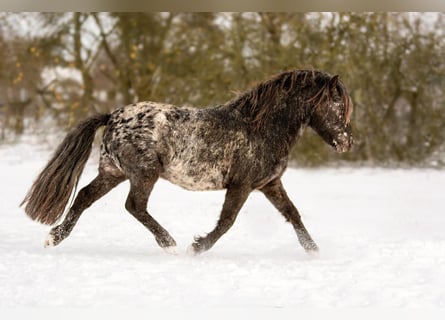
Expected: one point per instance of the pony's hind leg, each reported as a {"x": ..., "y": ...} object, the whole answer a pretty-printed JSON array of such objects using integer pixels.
[
  {"x": 136, "y": 204},
  {"x": 107, "y": 179},
  {"x": 274, "y": 191}
]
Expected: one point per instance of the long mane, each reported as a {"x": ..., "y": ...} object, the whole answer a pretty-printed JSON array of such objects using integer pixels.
[{"x": 259, "y": 102}]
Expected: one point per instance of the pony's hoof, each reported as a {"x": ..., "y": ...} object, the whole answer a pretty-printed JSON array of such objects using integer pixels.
[
  {"x": 198, "y": 246},
  {"x": 191, "y": 251},
  {"x": 171, "y": 250},
  {"x": 313, "y": 253},
  {"x": 309, "y": 246},
  {"x": 55, "y": 236},
  {"x": 50, "y": 241}
]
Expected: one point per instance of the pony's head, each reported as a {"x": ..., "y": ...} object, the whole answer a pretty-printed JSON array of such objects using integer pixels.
[
  {"x": 331, "y": 109},
  {"x": 313, "y": 96}
]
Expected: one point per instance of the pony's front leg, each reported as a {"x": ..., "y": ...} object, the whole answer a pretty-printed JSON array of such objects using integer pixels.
[
  {"x": 274, "y": 191},
  {"x": 234, "y": 200}
]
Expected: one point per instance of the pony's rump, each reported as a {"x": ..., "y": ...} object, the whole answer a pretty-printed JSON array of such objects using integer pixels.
[{"x": 48, "y": 196}]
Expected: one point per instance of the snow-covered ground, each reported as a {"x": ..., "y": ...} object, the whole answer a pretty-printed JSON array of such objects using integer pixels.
[{"x": 381, "y": 234}]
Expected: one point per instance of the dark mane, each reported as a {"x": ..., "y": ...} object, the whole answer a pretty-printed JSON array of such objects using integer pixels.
[{"x": 259, "y": 102}]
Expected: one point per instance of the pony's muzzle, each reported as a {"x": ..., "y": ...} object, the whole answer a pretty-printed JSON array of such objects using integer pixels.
[{"x": 343, "y": 143}]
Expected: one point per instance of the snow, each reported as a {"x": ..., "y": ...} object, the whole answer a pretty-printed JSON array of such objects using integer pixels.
[{"x": 380, "y": 232}]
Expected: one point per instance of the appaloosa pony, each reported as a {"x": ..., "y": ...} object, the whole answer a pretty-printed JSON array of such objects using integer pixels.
[{"x": 240, "y": 146}]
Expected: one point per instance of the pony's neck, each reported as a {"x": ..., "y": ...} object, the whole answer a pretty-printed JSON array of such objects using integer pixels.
[
  {"x": 288, "y": 122},
  {"x": 271, "y": 97},
  {"x": 281, "y": 127}
]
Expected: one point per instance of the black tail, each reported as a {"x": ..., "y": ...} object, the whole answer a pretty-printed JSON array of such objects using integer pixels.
[{"x": 50, "y": 193}]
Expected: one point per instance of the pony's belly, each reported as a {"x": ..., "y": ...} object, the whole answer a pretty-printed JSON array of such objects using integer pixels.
[{"x": 199, "y": 178}]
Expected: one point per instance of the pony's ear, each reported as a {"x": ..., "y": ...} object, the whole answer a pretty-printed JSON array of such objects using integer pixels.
[{"x": 333, "y": 82}]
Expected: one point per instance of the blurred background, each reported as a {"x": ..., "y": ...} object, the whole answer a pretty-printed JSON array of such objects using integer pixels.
[{"x": 58, "y": 68}]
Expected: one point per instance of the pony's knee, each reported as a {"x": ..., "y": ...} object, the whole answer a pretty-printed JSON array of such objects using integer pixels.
[
  {"x": 130, "y": 205},
  {"x": 85, "y": 193},
  {"x": 134, "y": 205}
]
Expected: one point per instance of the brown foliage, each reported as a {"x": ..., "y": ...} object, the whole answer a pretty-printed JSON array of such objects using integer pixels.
[{"x": 392, "y": 64}]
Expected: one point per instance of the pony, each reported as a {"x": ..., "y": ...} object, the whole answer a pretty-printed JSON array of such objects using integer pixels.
[{"x": 240, "y": 146}]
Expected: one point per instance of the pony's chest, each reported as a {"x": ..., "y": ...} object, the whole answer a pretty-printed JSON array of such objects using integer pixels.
[{"x": 271, "y": 174}]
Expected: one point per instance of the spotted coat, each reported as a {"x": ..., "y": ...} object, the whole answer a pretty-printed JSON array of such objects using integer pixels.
[{"x": 197, "y": 149}]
